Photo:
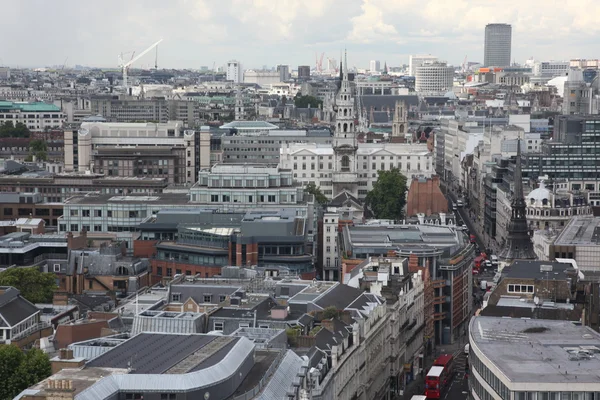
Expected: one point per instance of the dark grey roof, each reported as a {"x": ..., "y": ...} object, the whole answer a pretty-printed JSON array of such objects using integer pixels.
[
  {"x": 362, "y": 302},
  {"x": 381, "y": 117},
  {"x": 93, "y": 302},
  {"x": 324, "y": 339},
  {"x": 305, "y": 320},
  {"x": 534, "y": 269},
  {"x": 15, "y": 308},
  {"x": 343, "y": 197},
  {"x": 340, "y": 297},
  {"x": 149, "y": 353},
  {"x": 378, "y": 102}
]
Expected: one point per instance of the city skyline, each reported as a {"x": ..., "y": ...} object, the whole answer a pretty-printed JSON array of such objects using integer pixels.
[{"x": 202, "y": 33}]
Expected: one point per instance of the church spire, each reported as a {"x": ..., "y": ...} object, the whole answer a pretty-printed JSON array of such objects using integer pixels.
[{"x": 518, "y": 242}]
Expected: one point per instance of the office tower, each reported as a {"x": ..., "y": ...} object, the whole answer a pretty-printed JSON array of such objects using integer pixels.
[
  {"x": 418, "y": 60},
  {"x": 234, "y": 71},
  {"x": 374, "y": 66},
  {"x": 498, "y": 39},
  {"x": 284, "y": 72},
  {"x": 434, "y": 78},
  {"x": 303, "y": 72}
]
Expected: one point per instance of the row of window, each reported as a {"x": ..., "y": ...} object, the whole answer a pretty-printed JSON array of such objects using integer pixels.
[
  {"x": 489, "y": 377},
  {"x": 520, "y": 289}
]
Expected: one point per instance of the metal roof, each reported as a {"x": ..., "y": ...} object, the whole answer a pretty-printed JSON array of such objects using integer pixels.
[
  {"x": 281, "y": 381},
  {"x": 220, "y": 371}
]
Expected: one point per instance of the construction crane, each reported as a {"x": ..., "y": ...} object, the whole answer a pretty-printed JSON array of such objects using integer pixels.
[
  {"x": 464, "y": 65},
  {"x": 64, "y": 64},
  {"x": 125, "y": 65},
  {"x": 319, "y": 62}
]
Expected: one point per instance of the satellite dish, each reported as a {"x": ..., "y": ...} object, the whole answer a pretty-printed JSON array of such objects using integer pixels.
[{"x": 536, "y": 300}]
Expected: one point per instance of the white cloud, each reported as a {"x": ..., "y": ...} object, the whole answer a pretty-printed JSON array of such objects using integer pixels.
[{"x": 200, "y": 32}]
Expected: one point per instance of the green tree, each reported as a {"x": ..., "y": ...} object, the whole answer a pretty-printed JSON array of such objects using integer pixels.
[
  {"x": 305, "y": 101},
  {"x": 388, "y": 197},
  {"x": 7, "y": 129},
  {"x": 20, "y": 370},
  {"x": 39, "y": 149},
  {"x": 330, "y": 312},
  {"x": 315, "y": 190},
  {"x": 35, "y": 286}
]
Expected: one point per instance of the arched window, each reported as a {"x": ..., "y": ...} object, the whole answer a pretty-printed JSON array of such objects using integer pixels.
[
  {"x": 345, "y": 112},
  {"x": 122, "y": 270},
  {"x": 345, "y": 127},
  {"x": 345, "y": 163},
  {"x": 545, "y": 202}
]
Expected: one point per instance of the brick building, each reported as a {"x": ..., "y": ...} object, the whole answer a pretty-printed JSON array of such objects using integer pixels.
[{"x": 425, "y": 197}]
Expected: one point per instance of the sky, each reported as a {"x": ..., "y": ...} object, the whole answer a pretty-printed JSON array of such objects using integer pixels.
[{"x": 197, "y": 33}]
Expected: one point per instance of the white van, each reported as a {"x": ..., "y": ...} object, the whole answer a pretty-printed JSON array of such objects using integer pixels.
[{"x": 494, "y": 260}]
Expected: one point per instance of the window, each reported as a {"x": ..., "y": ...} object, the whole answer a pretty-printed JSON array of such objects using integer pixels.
[
  {"x": 328, "y": 249},
  {"x": 56, "y": 267},
  {"x": 169, "y": 271},
  {"x": 8, "y": 211},
  {"x": 244, "y": 325},
  {"x": 168, "y": 396},
  {"x": 521, "y": 289},
  {"x": 97, "y": 228},
  {"x": 159, "y": 271},
  {"x": 109, "y": 213},
  {"x": 207, "y": 298},
  {"x": 218, "y": 326},
  {"x": 85, "y": 213},
  {"x": 264, "y": 326},
  {"x": 176, "y": 297},
  {"x": 74, "y": 213},
  {"x": 74, "y": 227},
  {"x": 214, "y": 198},
  {"x": 328, "y": 229}
]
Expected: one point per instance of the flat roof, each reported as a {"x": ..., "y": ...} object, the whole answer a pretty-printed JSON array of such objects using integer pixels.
[
  {"x": 155, "y": 199},
  {"x": 536, "y": 351},
  {"x": 140, "y": 353},
  {"x": 580, "y": 231}
]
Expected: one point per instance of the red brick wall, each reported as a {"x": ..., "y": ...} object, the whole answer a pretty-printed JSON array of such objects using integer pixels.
[
  {"x": 144, "y": 248},
  {"x": 426, "y": 197}
]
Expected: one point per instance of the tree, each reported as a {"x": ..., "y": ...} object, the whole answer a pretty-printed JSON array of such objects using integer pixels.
[
  {"x": 39, "y": 149},
  {"x": 315, "y": 190},
  {"x": 35, "y": 286},
  {"x": 388, "y": 197},
  {"x": 7, "y": 129},
  {"x": 306, "y": 101},
  {"x": 20, "y": 370}
]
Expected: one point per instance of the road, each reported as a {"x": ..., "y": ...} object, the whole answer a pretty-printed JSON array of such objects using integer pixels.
[{"x": 459, "y": 388}]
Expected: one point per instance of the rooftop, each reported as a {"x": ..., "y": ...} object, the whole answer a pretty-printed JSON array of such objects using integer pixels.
[
  {"x": 249, "y": 125},
  {"x": 539, "y": 351},
  {"x": 33, "y": 107},
  {"x": 539, "y": 270},
  {"x": 580, "y": 231},
  {"x": 157, "y": 199}
]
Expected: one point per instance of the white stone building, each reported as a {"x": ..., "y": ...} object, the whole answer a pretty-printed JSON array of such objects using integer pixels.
[
  {"x": 435, "y": 78},
  {"x": 234, "y": 71}
]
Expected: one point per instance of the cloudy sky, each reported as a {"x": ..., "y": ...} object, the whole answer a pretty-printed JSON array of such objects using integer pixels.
[{"x": 268, "y": 32}]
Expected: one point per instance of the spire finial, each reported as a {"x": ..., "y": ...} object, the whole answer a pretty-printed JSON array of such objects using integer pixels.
[{"x": 345, "y": 61}]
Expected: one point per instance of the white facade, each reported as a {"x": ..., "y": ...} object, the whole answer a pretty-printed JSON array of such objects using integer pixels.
[
  {"x": 36, "y": 116},
  {"x": 434, "y": 78},
  {"x": 418, "y": 60},
  {"x": 316, "y": 163},
  {"x": 329, "y": 243},
  {"x": 234, "y": 71},
  {"x": 261, "y": 78},
  {"x": 374, "y": 66}
]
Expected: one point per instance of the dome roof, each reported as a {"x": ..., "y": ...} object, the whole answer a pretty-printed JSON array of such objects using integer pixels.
[{"x": 540, "y": 194}]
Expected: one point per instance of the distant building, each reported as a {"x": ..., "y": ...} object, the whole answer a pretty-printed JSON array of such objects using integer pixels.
[
  {"x": 136, "y": 109},
  {"x": 303, "y": 72},
  {"x": 36, "y": 116},
  {"x": 374, "y": 66},
  {"x": 138, "y": 150},
  {"x": 234, "y": 71},
  {"x": 436, "y": 78},
  {"x": 417, "y": 60},
  {"x": 497, "y": 46},
  {"x": 261, "y": 78},
  {"x": 284, "y": 72}
]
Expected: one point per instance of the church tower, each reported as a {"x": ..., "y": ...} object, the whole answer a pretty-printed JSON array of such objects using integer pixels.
[
  {"x": 344, "y": 141},
  {"x": 239, "y": 105},
  {"x": 518, "y": 243},
  {"x": 400, "y": 122}
]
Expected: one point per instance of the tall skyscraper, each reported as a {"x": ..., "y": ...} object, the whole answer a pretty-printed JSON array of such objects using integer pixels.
[
  {"x": 284, "y": 72},
  {"x": 374, "y": 66},
  {"x": 498, "y": 40}
]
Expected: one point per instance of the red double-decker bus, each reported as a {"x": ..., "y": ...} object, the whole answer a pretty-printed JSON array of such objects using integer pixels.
[{"x": 439, "y": 376}]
